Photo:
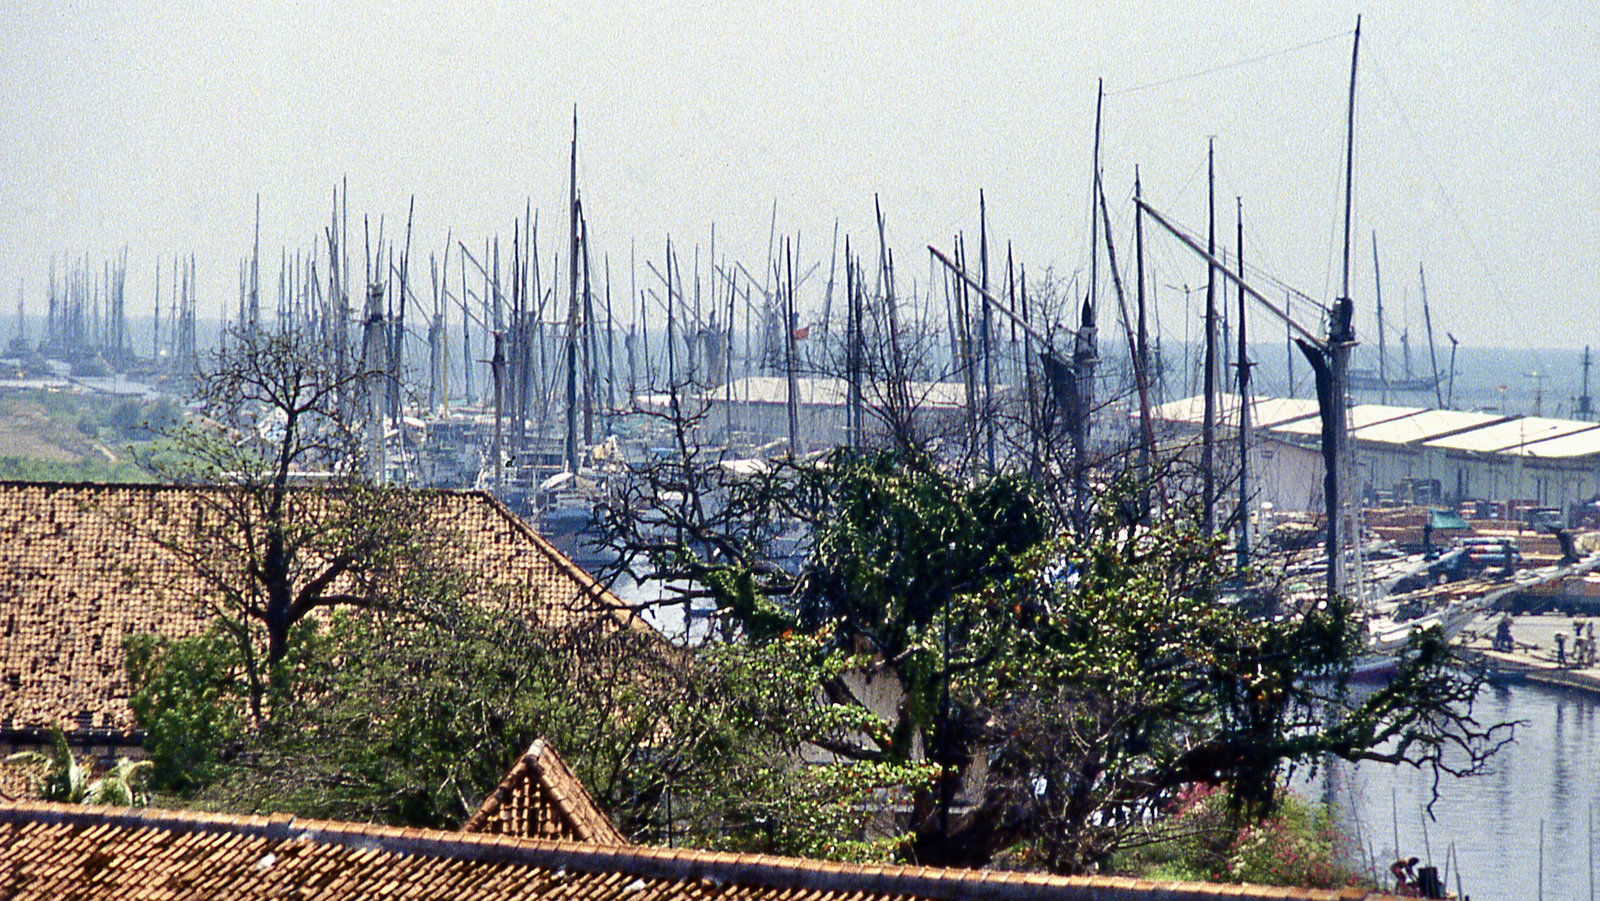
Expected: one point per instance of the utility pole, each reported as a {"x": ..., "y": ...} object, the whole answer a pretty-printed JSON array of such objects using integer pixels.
[
  {"x": 1377, "y": 287},
  {"x": 497, "y": 366},
  {"x": 1085, "y": 350},
  {"x": 255, "y": 272},
  {"x": 1341, "y": 340},
  {"x": 789, "y": 353},
  {"x": 373, "y": 352},
  {"x": 1585, "y": 410},
  {"x": 1142, "y": 348},
  {"x": 985, "y": 343},
  {"x": 1288, "y": 338},
  {"x": 1433, "y": 356}
]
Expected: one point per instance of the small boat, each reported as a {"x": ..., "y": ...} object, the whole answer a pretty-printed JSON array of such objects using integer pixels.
[
  {"x": 1387, "y": 638},
  {"x": 1367, "y": 380}
]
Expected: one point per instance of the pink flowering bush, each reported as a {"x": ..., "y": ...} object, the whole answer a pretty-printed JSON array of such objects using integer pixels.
[{"x": 1202, "y": 840}]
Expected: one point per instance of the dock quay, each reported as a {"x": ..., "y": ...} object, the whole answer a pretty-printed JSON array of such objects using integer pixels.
[{"x": 1535, "y": 658}]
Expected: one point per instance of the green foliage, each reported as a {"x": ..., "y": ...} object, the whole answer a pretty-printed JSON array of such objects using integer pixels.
[
  {"x": 1298, "y": 845},
  {"x": 742, "y": 771},
  {"x": 59, "y": 405},
  {"x": 899, "y": 538},
  {"x": 891, "y": 537},
  {"x": 134, "y": 420},
  {"x": 1106, "y": 678},
  {"x": 896, "y": 541},
  {"x": 1092, "y": 675},
  {"x": 188, "y": 697},
  {"x": 62, "y": 778},
  {"x": 412, "y": 715},
  {"x": 124, "y": 418},
  {"x": 89, "y": 469},
  {"x": 291, "y": 525},
  {"x": 1093, "y": 679},
  {"x": 63, "y": 420}
]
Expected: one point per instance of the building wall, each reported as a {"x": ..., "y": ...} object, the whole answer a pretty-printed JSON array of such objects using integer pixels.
[{"x": 1290, "y": 476}]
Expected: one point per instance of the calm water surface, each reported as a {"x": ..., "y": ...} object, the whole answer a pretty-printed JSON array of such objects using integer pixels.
[{"x": 1546, "y": 779}]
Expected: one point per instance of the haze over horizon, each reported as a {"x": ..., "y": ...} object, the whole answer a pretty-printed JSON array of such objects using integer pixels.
[{"x": 154, "y": 127}]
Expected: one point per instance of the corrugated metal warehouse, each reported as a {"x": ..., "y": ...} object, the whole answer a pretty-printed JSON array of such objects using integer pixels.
[{"x": 1471, "y": 456}]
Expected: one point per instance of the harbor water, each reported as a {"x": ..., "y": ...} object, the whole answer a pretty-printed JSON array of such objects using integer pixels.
[{"x": 1524, "y": 831}]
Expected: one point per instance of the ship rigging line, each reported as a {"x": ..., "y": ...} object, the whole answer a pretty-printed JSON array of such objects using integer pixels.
[
  {"x": 1420, "y": 148},
  {"x": 1194, "y": 244},
  {"x": 1259, "y": 275},
  {"x": 1226, "y": 66}
]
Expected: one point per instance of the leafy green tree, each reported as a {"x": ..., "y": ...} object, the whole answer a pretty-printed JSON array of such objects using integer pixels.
[
  {"x": 695, "y": 747},
  {"x": 1066, "y": 684},
  {"x": 444, "y": 700},
  {"x": 738, "y": 769},
  {"x": 190, "y": 697},
  {"x": 1107, "y": 675}
]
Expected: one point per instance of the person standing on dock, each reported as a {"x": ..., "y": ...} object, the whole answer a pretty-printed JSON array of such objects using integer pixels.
[
  {"x": 1502, "y": 636},
  {"x": 1561, "y": 648}
]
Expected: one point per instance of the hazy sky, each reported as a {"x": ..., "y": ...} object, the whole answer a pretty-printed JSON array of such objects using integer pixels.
[{"x": 153, "y": 125}]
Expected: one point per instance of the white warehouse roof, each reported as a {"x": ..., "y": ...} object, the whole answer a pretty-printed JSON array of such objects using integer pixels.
[{"x": 1449, "y": 430}]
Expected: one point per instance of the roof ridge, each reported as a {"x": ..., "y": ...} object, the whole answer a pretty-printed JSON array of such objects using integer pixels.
[
  {"x": 64, "y": 483},
  {"x": 621, "y": 610},
  {"x": 676, "y": 864},
  {"x": 501, "y": 793},
  {"x": 572, "y": 797}
]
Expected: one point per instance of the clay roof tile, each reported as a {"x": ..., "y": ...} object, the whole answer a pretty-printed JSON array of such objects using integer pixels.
[{"x": 80, "y": 570}]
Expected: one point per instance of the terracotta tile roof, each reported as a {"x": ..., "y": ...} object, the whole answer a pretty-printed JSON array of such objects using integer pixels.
[
  {"x": 76, "y": 579},
  {"x": 541, "y": 798},
  {"x": 50, "y": 851},
  {"x": 16, "y": 783}
]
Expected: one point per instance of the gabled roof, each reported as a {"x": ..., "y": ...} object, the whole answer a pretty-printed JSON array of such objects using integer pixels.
[
  {"x": 1514, "y": 436},
  {"x": 1571, "y": 445},
  {"x": 541, "y": 798},
  {"x": 1424, "y": 425},
  {"x": 78, "y": 575},
  {"x": 65, "y": 851}
]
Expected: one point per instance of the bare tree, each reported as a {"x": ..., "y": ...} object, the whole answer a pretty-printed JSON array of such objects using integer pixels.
[{"x": 285, "y": 520}]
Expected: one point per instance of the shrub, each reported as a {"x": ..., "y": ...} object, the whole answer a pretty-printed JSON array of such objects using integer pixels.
[
  {"x": 188, "y": 697},
  {"x": 1299, "y": 844},
  {"x": 59, "y": 776}
]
